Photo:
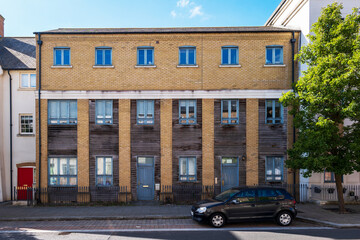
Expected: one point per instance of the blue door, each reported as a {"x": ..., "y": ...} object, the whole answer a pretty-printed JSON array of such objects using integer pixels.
[
  {"x": 145, "y": 178},
  {"x": 229, "y": 172}
]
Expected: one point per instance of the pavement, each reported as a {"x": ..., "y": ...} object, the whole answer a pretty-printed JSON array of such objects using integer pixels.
[{"x": 309, "y": 212}]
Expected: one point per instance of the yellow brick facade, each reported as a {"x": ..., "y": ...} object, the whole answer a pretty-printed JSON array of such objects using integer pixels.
[
  {"x": 124, "y": 144},
  {"x": 208, "y": 142},
  {"x": 166, "y": 141},
  {"x": 83, "y": 142},
  {"x": 252, "y": 141}
]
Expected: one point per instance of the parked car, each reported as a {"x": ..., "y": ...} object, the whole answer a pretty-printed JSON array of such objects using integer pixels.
[{"x": 246, "y": 203}]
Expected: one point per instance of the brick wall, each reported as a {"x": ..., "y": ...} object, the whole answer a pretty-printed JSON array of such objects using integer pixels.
[
  {"x": 208, "y": 141},
  {"x": 252, "y": 141},
  {"x": 44, "y": 146},
  {"x": 166, "y": 141},
  {"x": 124, "y": 144},
  {"x": 83, "y": 142}
]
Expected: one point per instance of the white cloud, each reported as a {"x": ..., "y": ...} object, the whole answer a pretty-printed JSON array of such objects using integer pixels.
[
  {"x": 196, "y": 11},
  {"x": 182, "y": 3},
  {"x": 173, "y": 13}
]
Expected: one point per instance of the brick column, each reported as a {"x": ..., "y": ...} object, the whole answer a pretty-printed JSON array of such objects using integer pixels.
[
  {"x": 83, "y": 142},
  {"x": 208, "y": 142},
  {"x": 124, "y": 144},
  {"x": 252, "y": 141},
  {"x": 44, "y": 138},
  {"x": 166, "y": 141}
]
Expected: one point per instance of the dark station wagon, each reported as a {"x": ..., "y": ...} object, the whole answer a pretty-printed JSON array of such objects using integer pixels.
[{"x": 246, "y": 203}]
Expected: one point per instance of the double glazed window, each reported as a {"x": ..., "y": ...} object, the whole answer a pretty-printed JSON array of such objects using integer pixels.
[
  {"x": 187, "y": 168},
  {"x": 28, "y": 80},
  {"x": 145, "y": 56},
  {"x": 104, "y": 171},
  {"x": 229, "y": 112},
  {"x": 61, "y": 56},
  {"x": 145, "y": 112},
  {"x": 187, "y": 55},
  {"x": 274, "y": 55},
  {"x": 26, "y": 124},
  {"x": 229, "y": 55},
  {"x": 103, "y": 56},
  {"x": 187, "y": 111},
  {"x": 274, "y": 168},
  {"x": 62, "y": 111},
  {"x": 274, "y": 112},
  {"x": 104, "y": 111},
  {"x": 62, "y": 171}
]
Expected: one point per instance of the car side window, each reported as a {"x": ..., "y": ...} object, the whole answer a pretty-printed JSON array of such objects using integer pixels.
[
  {"x": 267, "y": 194},
  {"x": 245, "y": 196}
]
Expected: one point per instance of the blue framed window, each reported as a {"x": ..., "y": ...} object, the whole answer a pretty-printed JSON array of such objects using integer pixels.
[
  {"x": 187, "y": 55},
  {"x": 104, "y": 111},
  {"x": 274, "y": 169},
  {"x": 103, "y": 56},
  {"x": 61, "y": 56},
  {"x": 274, "y": 112},
  {"x": 187, "y": 112},
  {"x": 62, "y": 112},
  {"x": 63, "y": 171},
  {"x": 229, "y": 111},
  {"x": 187, "y": 169},
  {"x": 104, "y": 171},
  {"x": 274, "y": 55},
  {"x": 145, "y": 112},
  {"x": 229, "y": 55},
  {"x": 145, "y": 56}
]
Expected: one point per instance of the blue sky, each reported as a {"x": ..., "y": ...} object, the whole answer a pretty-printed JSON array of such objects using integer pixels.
[{"x": 23, "y": 17}]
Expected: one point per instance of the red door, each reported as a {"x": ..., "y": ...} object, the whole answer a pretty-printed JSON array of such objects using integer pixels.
[{"x": 25, "y": 180}]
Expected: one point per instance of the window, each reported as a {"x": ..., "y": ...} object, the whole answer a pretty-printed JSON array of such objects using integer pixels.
[
  {"x": 245, "y": 196},
  {"x": 267, "y": 194},
  {"x": 187, "y": 55},
  {"x": 187, "y": 168},
  {"x": 187, "y": 111},
  {"x": 62, "y": 171},
  {"x": 229, "y": 55},
  {"x": 62, "y": 112},
  {"x": 229, "y": 112},
  {"x": 104, "y": 171},
  {"x": 274, "y": 169},
  {"x": 26, "y": 124},
  {"x": 145, "y": 56},
  {"x": 329, "y": 177},
  {"x": 28, "y": 80},
  {"x": 145, "y": 112},
  {"x": 274, "y": 112},
  {"x": 103, "y": 56},
  {"x": 104, "y": 111},
  {"x": 62, "y": 56},
  {"x": 274, "y": 55}
]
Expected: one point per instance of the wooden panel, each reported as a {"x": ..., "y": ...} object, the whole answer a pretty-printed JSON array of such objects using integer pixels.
[
  {"x": 272, "y": 140},
  {"x": 187, "y": 141},
  {"x": 230, "y": 141},
  {"x": 104, "y": 141},
  {"x": 145, "y": 141},
  {"x": 62, "y": 140}
]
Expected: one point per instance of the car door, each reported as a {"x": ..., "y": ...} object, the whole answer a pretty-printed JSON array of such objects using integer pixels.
[
  {"x": 242, "y": 205},
  {"x": 267, "y": 203}
]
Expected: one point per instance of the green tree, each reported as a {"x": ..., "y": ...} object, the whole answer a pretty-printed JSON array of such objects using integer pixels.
[{"x": 325, "y": 96}]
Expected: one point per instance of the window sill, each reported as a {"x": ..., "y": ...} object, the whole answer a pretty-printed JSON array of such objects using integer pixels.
[
  {"x": 230, "y": 66},
  {"x": 275, "y": 65},
  {"x": 26, "y": 135},
  {"x": 103, "y": 66},
  {"x": 145, "y": 66},
  {"x": 27, "y": 89},
  {"x": 62, "y": 66},
  {"x": 187, "y": 66}
]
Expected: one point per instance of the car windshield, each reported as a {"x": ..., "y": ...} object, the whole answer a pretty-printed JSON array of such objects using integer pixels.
[{"x": 226, "y": 195}]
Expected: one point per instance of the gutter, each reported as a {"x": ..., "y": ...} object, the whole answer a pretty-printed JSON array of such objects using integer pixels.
[
  {"x": 39, "y": 42},
  {"x": 11, "y": 140}
]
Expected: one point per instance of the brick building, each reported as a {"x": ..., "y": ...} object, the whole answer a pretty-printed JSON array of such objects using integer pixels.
[{"x": 146, "y": 108}]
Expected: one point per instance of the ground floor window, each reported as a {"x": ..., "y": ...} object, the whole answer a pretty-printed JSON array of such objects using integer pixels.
[
  {"x": 187, "y": 168},
  {"x": 62, "y": 171},
  {"x": 274, "y": 169},
  {"x": 104, "y": 171}
]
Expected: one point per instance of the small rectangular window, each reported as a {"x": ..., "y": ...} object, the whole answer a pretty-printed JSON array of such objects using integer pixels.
[
  {"x": 145, "y": 112},
  {"x": 145, "y": 56},
  {"x": 61, "y": 56},
  {"x": 62, "y": 112},
  {"x": 103, "y": 56},
  {"x": 187, "y": 112},
  {"x": 187, "y": 56},
  {"x": 274, "y": 112},
  {"x": 274, "y": 55},
  {"x": 104, "y": 111},
  {"x": 63, "y": 171},
  {"x": 274, "y": 169},
  {"x": 329, "y": 177},
  {"x": 229, "y": 112},
  {"x": 230, "y": 55},
  {"x": 104, "y": 171},
  {"x": 26, "y": 124},
  {"x": 28, "y": 80},
  {"x": 187, "y": 168}
]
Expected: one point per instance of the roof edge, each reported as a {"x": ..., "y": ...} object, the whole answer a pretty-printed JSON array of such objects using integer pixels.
[{"x": 277, "y": 9}]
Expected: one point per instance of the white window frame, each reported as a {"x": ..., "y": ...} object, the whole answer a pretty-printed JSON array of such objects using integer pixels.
[
  {"x": 28, "y": 81},
  {"x": 20, "y": 123}
]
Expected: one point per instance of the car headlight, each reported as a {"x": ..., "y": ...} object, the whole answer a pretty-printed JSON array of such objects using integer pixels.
[{"x": 201, "y": 210}]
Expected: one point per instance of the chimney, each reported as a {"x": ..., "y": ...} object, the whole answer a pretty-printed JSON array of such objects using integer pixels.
[{"x": 2, "y": 19}]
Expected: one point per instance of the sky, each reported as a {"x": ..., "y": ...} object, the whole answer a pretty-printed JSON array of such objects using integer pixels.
[{"x": 23, "y": 17}]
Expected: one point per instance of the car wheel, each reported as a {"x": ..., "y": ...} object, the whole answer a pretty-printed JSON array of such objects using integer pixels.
[
  {"x": 284, "y": 218},
  {"x": 217, "y": 220}
]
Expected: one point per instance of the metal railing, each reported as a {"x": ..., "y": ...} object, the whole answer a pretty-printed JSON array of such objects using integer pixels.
[{"x": 328, "y": 192}]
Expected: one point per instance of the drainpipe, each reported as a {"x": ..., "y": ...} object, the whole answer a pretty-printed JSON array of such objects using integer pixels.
[
  {"x": 39, "y": 42},
  {"x": 293, "y": 40},
  {"x": 11, "y": 138}
]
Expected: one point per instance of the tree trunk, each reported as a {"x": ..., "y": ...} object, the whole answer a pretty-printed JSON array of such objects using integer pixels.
[{"x": 339, "y": 190}]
